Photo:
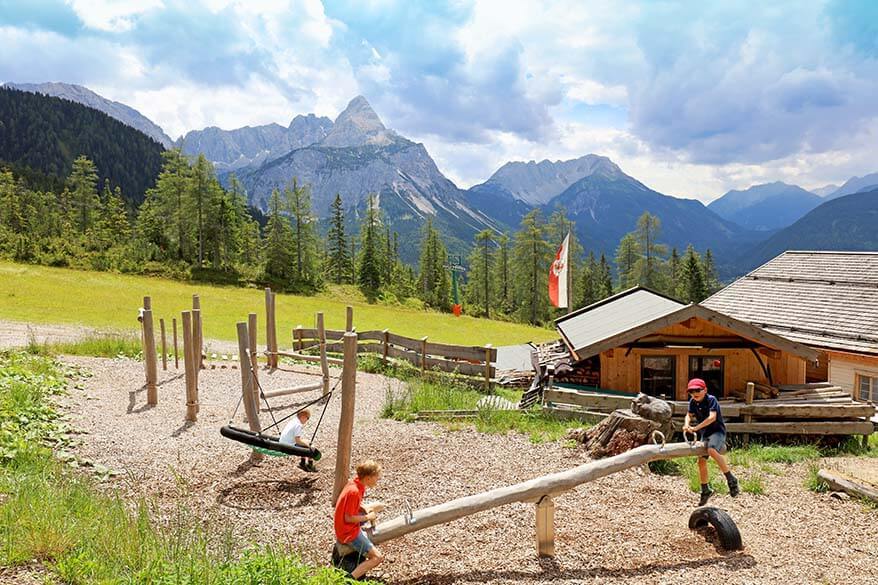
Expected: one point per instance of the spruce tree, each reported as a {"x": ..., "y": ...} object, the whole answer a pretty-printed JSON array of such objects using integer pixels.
[
  {"x": 589, "y": 282},
  {"x": 711, "y": 280},
  {"x": 692, "y": 288},
  {"x": 502, "y": 275},
  {"x": 605, "y": 279},
  {"x": 479, "y": 292},
  {"x": 627, "y": 261},
  {"x": 653, "y": 254},
  {"x": 530, "y": 269},
  {"x": 298, "y": 201},
  {"x": 434, "y": 284},
  {"x": 339, "y": 266},
  {"x": 84, "y": 200},
  {"x": 370, "y": 263},
  {"x": 279, "y": 256}
]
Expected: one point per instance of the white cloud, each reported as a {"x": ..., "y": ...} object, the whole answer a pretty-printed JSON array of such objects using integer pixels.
[{"x": 111, "y": 15}]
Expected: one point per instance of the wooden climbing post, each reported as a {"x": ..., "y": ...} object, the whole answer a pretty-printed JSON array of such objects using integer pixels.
[
  {"x": 545, "y": 509},
  {"x": 346, "y": 419},
  {"x": 349, "y": 319},
  {"x": 197, "y": 332},
  {"x": 189, "y": 365},
  {"x": 324, "y": 365},
  {"x": 270, "y": 328},
  {"x": 152, "y": 394},
  {"x": 176, "y": 355},
  {"x": 488, "y": 366},
  {"x": 251, "y": 342},
  {"x": 164, "y": 346},
  {"x": 751, "y": 391},
  {"x": 248, "y": 385},
  {"x": 386, "y": 334}
]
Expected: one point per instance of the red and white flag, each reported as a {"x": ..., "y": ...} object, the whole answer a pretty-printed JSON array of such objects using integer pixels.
[{"x": 558, "y": 275}]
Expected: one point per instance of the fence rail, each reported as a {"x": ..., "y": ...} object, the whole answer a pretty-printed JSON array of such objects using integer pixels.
[{"x": 474, "y": 360}]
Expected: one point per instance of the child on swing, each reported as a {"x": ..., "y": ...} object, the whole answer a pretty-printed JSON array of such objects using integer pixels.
[{"x": 292, "y": 435}]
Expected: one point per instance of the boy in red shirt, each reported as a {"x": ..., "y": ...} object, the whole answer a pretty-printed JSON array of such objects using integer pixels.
[{"x": 349, "y": 514}]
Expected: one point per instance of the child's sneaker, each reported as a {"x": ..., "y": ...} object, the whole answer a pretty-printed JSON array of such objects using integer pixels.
[
  {"x": 705, "y": 495},
  {"x": 303, "y": 465},
  {"x": 734, "y": 490},
  {"x": 310, "y": 467}
]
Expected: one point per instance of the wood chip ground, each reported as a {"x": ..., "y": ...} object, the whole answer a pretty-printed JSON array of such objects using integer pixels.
[{"x": 627, "y": 528}]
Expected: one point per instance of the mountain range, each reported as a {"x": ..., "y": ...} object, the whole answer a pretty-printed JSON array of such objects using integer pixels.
[{"x": 356, "y": 155}]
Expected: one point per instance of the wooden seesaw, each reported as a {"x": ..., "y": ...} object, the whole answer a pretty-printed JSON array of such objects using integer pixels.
[{"x": 541, "y": 492}]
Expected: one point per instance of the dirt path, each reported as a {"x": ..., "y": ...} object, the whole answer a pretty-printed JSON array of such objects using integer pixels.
[{"x": 626, "y": 528}]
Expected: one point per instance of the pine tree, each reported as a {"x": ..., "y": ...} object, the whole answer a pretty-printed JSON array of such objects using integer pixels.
[
  {"x": 711, "y": 280},
  {"x": 589, "y": 282},
  {"x": 605, "y": 279},
  {"x": 279, "y": 256},
  {"x": 434, "y": 284},
  {"x": 691, "y": 287},
  {"x": 84, "y": 199},
  {"x": 202, "y": 192},
  {"x": 627, "y": 261},
  {"x": 502, "y": 275},
  {"x": 370, "y": 263},
  {"x": 339, "y": 266},
  {"x": 298, "y": 201},
  {"x": 652, "y": 260},
  {"x": 479, "y": 290},
  {"x": 530, "y": 269},
  {"x": 674, "y": 270}
]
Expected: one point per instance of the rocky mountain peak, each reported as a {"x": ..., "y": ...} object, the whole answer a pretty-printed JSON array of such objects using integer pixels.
[
  {"x": 358, "y": 125},
  {"x": 536, "y": 183}
]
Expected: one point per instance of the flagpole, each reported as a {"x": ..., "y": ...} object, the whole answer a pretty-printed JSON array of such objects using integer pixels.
[{"x": 569, "y": 272}]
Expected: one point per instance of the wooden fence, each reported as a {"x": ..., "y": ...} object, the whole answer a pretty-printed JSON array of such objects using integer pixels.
[{"x": 472, "y": 360}]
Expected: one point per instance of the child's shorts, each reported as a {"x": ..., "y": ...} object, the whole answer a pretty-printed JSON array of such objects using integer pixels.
[
  {"x": 361, "y": 543},
  {"x": 715, "y": 441}
]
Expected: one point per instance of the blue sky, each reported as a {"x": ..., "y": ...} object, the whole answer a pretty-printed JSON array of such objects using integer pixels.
[{"x": 693, "y": 98}]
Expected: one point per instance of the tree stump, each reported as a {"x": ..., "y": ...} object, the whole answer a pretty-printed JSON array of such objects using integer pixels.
[{"x": 619, "y": 432}]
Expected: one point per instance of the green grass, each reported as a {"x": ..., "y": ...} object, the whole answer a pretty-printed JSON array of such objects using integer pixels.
[
  {"x": 421, "y": 395},
  {"x": 37, "y": 294},
  {"x": 109, "y": 345},
  {"x": 55, "y": 517}
]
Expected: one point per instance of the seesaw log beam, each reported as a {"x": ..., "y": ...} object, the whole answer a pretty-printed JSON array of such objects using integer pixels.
[{"x": 532, "y": 490}]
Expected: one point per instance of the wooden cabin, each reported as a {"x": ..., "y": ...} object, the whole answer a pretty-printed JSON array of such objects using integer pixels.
[
  {"x": 642, "y": 341},
  {"x": 825, "y": 300}
]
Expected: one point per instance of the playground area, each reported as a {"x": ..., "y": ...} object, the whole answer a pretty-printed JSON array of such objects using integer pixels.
[{"x": 629, "y": 527}]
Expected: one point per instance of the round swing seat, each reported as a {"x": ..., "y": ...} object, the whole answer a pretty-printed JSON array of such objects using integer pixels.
[{"x": 267, "y": 444}]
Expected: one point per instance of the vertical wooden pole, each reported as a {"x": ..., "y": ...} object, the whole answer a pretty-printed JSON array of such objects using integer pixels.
[
  {"x": 488, "y": 366},
  {"x": 196, "y": 353},
  {"x": 176, "y": 354},
  {"x": 298, "y": 345},
  {"x": 386, "y": 334},
  {"x": 251, "y": 338},
  {"x": 197, "y": 332},
  {"x": 248, "y": 387},
  {"x": 545, "y": 509},
  {"x": 349, "y": 320},
  {"x": 751, "y": 390},
  {"x": 324, "y": 365},
  {"x": 152, "y": 394},
  {"x": 270, "y": 329},
  {"x": 164, "y": 346},
  {"x": 423, "y": 355},
  {"x": 189, "y": 367},
  {"x": 346, "y": 419}
]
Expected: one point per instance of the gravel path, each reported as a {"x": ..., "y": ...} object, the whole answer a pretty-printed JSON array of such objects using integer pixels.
[{"x": 627, "y": 528}]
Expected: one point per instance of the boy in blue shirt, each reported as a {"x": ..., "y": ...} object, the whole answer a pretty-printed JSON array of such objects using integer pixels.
[{"x": 710, "y": 428}]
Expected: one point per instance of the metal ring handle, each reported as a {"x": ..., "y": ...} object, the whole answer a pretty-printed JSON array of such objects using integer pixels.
[
  {"x": 694, "y": 437},
  {"x": 653, "y": 438}
]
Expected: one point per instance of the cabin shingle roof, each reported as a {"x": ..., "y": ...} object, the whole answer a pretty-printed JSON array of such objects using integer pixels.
[{"x": 823, "y": 299}]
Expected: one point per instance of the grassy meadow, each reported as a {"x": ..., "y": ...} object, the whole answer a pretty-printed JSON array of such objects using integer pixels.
[{"x": 38, "y": 294}]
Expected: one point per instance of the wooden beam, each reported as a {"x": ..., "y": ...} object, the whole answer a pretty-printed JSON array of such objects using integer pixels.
[
  {"x": 545, "y": 512},
  {"x": 749, "y": 395},
  {"x": 164, "y": 345},
  {"x": 349, "y": 318},
  {"x": 324, "y": 363},
  {"x": 149, "y": 357},
  {"x": 176, "y": 353},
  {"x": 799, "y": 427},
  {"x": 248, "y": 387},
  {"x": 294, "y": 390},
  {"x": 532, "y": 490},
  {"x": 840, "y": 482},
  {"x": 346, "y": 419},
  {"x": 770, "y": 353}
]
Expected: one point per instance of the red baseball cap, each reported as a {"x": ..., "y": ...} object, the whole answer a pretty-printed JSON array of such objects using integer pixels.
[{"x": 696, "y": 384}]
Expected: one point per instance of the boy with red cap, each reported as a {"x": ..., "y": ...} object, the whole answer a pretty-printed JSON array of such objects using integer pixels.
[{"x": 710, "y": 428}]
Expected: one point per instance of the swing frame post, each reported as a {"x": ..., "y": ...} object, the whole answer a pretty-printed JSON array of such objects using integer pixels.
[
  {"x": 251, "y": 406},
  {"x": 324, "y": 364},
  {"x": 189, "y": 367},
  {"x": 251, "y": 339},
  {"x": 149, "y": 354},
  {"x": 346, "y": 419},
  {"x": 197, "y": 332}
]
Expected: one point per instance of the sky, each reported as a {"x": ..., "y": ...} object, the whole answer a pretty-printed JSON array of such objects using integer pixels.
[{"x": 692, "y": 98}]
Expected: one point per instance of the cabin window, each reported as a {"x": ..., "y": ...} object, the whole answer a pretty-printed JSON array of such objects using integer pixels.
[
  {"x": 709, "y": 368},
  {"x": 658, "y": 375},
  {"x": 868, "y": 388}
]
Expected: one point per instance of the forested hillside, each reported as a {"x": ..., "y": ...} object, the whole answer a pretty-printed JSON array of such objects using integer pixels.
[{"x": 46, "y": 134}]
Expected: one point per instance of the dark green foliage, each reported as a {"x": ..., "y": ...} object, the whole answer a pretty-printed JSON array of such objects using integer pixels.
[
  {"x": 46, "y": 134},
  {"x": 531, "y": 258},
  {"x": 370, "y": 267},
  {"x": 338, "y": 259},
  {"x": 434, "y": 284},
  {"x": 479, "y": 294},
  {"x": 278, "y": 243},
  {"x": 691, "y": 287}
]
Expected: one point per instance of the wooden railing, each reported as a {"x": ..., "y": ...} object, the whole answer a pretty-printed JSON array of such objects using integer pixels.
[{"x": 473, "y": 360}]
